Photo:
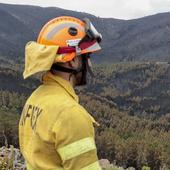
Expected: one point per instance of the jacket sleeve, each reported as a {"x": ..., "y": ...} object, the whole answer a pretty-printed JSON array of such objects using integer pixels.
[{"x": 74, "y": 140}]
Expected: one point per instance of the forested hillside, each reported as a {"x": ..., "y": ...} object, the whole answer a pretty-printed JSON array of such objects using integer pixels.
[
  {"x": 128, "y": 136},
  {"x": 139, "y": 89},
  {"x": 129, "y": 96},
  {"x": 144, "y": 39}
]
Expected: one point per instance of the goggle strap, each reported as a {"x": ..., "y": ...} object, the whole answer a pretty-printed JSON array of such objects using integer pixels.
[
  {"x": 85, "y": 45},
  {"x": 64, "y": 50},
  {"x": 77, "y": 49}
]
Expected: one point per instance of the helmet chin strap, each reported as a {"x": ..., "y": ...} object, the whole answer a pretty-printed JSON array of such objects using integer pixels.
[
  {"x": 86, "y": 66},
  {"x": 89, "y": 68},
  {"x": 65, "y": 69}
]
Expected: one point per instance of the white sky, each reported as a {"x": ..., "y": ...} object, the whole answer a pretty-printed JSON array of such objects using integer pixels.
[{"x": 122, "y": 9}]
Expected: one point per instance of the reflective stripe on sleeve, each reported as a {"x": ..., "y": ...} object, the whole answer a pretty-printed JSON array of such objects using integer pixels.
[
  {"x": 93, "y": 166},
  {"x": 30, "y": 168},
  {"x": 77, "y": 148}
]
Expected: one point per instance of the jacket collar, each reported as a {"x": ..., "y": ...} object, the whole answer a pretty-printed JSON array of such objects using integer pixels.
[{"x": 49, "y": 78}]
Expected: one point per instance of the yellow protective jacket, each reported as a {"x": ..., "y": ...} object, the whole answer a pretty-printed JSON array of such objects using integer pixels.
[{"x": 55, "y": 131}]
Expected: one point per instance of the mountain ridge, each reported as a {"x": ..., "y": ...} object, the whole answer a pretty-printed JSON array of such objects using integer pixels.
[{"x": 143, "y": 39}]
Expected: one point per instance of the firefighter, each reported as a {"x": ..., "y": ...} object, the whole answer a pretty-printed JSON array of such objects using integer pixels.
[{"x": 55, "y": 131}]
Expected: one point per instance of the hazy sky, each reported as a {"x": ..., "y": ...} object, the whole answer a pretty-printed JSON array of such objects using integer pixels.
[{"x": 122, "y": 9}]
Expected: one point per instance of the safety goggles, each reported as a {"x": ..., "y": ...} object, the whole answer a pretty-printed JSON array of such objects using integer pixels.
[{"x": 91, "y": 32}]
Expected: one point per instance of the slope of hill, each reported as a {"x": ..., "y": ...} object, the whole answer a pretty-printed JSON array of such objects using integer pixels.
[
  {"x": 129, "y": 100},
  {"x": 139, "y": 89},
  {"x": 145, "y": 39},
  {"x": 122, "y": 138}
]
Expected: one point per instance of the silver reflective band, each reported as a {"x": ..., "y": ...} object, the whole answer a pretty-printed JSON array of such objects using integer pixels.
[
  {"x": 60, "y": 27},
  {"x": 73, "y": 43},
  {"x": 94, "y": 47},
  {"x": 93, "y": 166},
  {"x": 76, "y": 148}
]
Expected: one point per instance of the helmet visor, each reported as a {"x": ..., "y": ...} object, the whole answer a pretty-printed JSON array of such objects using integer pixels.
[{"x": 91, "y": 32}]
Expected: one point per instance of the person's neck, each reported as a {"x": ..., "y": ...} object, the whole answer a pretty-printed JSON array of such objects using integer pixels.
[{"x": 65, "y": 76}]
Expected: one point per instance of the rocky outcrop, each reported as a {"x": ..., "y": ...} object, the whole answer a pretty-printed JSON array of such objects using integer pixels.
[{"x": 11, "y": 159}]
